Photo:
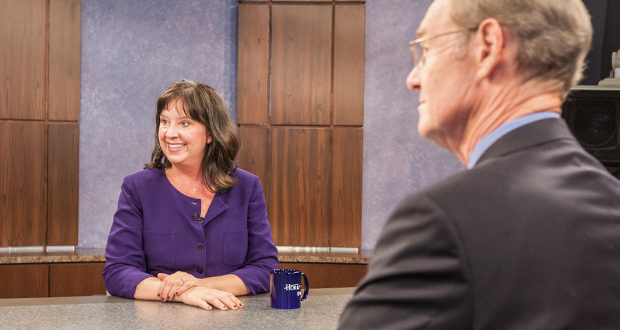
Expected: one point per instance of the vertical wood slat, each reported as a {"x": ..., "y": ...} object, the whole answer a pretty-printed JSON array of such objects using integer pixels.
[
  {"x": 63, "y": 184},
  {"x": 301, "y": 64},
  {"x": 64, "y": 60},
  {"x": 22, "y": 184},
  {"x": 253, "y": 65},
  {"x": 349, "y": 65},
  {"x": 22, "y": 71},
  {"x": 300, "y": 184},
  {"x": 347, "y": 163},
  {"x": 79, "y": 279},
  {"x": 24, "y": 281},
  {"x": 253, "y": 153}
]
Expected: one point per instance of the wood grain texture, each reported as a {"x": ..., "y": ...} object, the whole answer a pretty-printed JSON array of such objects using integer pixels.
[
  {"x": 24, "y": 281},
  {"x": 22, "y": 184},
  {"x": 293, "y": 1},
  {"x": 347, "y": 166},
  {"x": 22, "y": 67},
  {"x": 301, "y": 64},
  {"x": 62, "y": 183},
  {"x": 322, "y": 275},
  {"x": 253, "y": 65},
  {"x": 349, "y": 35},
  {"x": 64, "y": 60},
  {"x": 76, "y": 279},
  {"x": 300, "y": 186},
  {"x": 253, "y": 154}
]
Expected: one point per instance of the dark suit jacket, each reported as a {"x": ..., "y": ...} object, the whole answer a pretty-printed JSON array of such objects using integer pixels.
[{"x": 527, "y": 239}]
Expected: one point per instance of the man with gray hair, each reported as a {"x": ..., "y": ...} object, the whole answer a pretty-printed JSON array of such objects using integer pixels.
[{"x": 529, "y": 236}]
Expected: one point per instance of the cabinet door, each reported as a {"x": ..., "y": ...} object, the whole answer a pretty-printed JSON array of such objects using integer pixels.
[
  {"x": 24, "y": 281},
  {"x": 79, "y": 279},
  {"x": 329, "y": 275}
]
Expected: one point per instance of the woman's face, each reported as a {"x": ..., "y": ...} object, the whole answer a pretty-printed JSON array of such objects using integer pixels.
[{"x": 182, "y": 139}]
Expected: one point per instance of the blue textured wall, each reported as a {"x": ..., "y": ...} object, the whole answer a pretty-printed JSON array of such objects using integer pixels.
[
  {"x": 397, "y": 160},
  {"x": 133, "y": 50}
]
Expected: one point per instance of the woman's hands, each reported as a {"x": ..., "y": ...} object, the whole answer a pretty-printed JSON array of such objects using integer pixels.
[
  {"x": 205, "y": 298},
  {"x": 175, "y": 284},
  {"x": 186, "y": 288}
]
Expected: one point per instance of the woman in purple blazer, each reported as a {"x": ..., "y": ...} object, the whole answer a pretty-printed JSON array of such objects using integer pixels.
[{"x": 191, "y": 227}]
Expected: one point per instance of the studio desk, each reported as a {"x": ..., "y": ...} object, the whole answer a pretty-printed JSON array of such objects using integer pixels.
[
  {"x": 78, "y": 273},
  {"x": 320, "y": 310}
]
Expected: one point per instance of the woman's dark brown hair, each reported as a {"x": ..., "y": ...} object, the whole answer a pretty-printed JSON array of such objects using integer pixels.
[{"x": 202, "y": 104}]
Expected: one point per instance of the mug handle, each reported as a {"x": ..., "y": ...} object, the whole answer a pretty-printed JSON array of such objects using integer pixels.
[{"x": 307, "y": 287}]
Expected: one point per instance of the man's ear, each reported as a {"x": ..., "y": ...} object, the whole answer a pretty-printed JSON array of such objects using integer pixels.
[{"x": 490, "y": 46}]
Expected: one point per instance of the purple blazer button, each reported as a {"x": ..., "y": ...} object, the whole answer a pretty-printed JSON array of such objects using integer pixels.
[{"x": 200, "y": 270}]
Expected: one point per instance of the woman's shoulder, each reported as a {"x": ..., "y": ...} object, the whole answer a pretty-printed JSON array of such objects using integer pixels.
[
  {"x": 243, "y": 175},
  {"x": 146, "y": 176}
]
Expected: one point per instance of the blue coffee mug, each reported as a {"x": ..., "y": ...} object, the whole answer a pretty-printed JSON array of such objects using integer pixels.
[{"x": 286, "y": 288}]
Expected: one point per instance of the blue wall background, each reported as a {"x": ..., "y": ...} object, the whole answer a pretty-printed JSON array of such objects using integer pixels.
[{"x": 132, "y": 50}]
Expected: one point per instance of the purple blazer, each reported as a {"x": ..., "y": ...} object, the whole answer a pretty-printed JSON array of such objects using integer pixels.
[{"x": 154, "y": 232}]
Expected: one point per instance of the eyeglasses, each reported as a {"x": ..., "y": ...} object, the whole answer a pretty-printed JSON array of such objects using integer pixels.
[{"x": 418, "y": 52}]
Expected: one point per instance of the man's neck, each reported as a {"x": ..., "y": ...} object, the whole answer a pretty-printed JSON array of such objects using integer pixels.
[{"x": 501, "y": 105}]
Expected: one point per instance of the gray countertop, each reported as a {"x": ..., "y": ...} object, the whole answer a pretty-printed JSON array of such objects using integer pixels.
[{"x": 320, "y": 311}]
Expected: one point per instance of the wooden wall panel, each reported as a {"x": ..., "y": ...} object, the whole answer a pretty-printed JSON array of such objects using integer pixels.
[
  {"x": 253, "y": 154},
  {"x": 349, "y": 32},
  {"x": 22, "y": 183},
  {"x": 346, "y": 230},
  {"x": 253, "y": 65},
  {"x": 78, "y": 279},
  {"x": 24, "y": 281},
  {"x": 301, "y": 64},
  {"x": 64, "y": 60},
  {"x": 300, "y": 186},
  {"x": 22, "y": 71},
  {"x": 63, "y": 184},
  {"x": 329, "y": 275}
]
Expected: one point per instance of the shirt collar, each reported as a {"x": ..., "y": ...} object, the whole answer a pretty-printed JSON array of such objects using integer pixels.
[{"x": 488, "y": 140}]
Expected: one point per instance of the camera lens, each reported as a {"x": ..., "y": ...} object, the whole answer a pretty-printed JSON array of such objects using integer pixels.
[{"x": 595, "y": 123}]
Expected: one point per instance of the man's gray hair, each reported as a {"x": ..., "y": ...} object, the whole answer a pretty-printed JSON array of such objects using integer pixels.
[{"x": 553, "y": 35}]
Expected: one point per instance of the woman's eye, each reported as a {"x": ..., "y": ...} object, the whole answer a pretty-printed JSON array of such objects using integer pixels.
[
  {"x": 184, "y": 123},
  {"x": 163, "y": 122}
]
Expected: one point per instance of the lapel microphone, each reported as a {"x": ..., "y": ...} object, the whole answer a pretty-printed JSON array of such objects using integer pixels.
[{"x": 197, "y": 218}]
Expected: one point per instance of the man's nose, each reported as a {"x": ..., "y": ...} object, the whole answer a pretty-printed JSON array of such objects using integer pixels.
[{"x": 413, "y": 79}]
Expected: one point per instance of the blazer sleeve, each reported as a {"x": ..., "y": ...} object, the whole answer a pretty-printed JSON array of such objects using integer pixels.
[
  {"x": 417, "y": 277},
  {"x": 125, "y": 259},
  {"x": 262, "y": 254}
]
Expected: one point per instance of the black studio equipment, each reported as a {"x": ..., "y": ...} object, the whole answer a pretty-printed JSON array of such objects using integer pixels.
[{"x": 593, "y": 115}]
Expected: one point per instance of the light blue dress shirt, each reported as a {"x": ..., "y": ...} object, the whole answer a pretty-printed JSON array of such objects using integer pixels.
[{"x": 488, "y": 140}]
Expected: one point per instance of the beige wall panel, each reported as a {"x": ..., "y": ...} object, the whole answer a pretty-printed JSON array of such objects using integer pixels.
[
  {"x": 64, "y": 60},
  {"x": 301, "y": 64},
  {"x": 22, "y": 184},
  {"x": 63, "y": 184},
  {"x": 347, "y": 187},
  {"x": 253, "y": 65},
  {"x": 300, "y": 186},
  {"x": 349, "y": 65},
  {"x": 22, "y": 67},
  {"x": 253, "y": 153}
]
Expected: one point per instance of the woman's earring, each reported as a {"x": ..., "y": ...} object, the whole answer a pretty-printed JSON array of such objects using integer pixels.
[{"x": 209, "y": 140}]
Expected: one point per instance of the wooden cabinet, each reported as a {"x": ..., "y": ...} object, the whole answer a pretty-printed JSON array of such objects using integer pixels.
[
  {"x": 323, "y": 275},
  {"x": 39, "y": 110},
  {"x": 51, "y": 280},
  {"x": 300, "y": 111}
]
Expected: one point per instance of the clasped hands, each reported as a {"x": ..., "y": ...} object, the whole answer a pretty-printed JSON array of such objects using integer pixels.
[{"x": 192, "y": 291}]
